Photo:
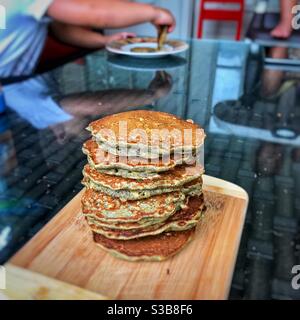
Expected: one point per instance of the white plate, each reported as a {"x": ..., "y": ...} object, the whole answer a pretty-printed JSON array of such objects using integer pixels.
[
  {"x": 124, "y": 47},
  {"x": 130, "y": 63}
]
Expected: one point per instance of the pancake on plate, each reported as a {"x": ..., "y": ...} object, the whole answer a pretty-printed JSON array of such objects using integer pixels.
[{"x": 143, "y": 49}]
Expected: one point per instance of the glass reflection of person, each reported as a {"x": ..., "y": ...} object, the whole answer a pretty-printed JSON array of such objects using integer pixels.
[
  {"x": 72, "y": 113},
  {"x": 272, "y": 79},
  {"x": 94, "y": 104}
]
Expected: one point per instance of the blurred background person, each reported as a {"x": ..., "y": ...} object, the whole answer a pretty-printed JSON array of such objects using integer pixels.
[{"x": 74, "y": 22}]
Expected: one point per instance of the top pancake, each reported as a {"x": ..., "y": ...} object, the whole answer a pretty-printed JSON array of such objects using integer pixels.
[{"x": 147, "y": 129}]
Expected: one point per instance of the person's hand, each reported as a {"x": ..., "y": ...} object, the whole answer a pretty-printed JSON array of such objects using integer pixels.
[
  {"x": 119, "y": 36},
  {"x": 164, "y": 17}
]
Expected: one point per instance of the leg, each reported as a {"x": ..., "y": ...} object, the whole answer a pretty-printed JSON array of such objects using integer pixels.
[
  {"x": 284, "y": 28},
  {"x": 272, "y": 79}
]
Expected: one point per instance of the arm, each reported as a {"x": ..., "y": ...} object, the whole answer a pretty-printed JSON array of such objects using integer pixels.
[
  {"x": 82, "y": 36},
  {"x": 80, "y": 107},
  {"x": 108, "y": 13}
]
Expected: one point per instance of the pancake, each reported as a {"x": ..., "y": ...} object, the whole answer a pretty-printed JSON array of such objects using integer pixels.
[
  {"x": 174, "y": 178},
  {"x": 137, "y": 40},
  {"x": 106, "y": 209},
  {"x": 147, "y": 131},
  {"x": 142, "y": 224},
  {"x": 192, "y": 188},
  {"x": 150, "y": 153},
  {"x": 147, "y": 224},
  {"x": 143, "y": 49},
  {"x": 155, "y": 248},
  {"x": 183, "y": 219},
  {"x": 138, "y": 175},
  {"x": 98, "y": 158},
  {"x": 143, "y": 196}
]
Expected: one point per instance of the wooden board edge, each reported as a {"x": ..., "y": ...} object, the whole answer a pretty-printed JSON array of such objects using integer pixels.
[
  {"x": 23, "y": 284},
  {"x": 224, "y": 187},
  {"x": 236, "y": 251}
]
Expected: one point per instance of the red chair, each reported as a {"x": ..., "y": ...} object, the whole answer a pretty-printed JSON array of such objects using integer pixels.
[{"x": 221, "y": 14}]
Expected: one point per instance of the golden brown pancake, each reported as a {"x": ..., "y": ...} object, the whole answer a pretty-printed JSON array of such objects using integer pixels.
[
  {"x": 111, "y": 210},
  {"x": 153, "y": 248},
  {"x": 193, "y": 188},
  {"x": 183, "y": 219},
  {"x": 98, "y": 158},
  {"x": 119, "y": 44},
  {"x": 175, "y": 178},
  {"x": 126, "y": 130},
  {"x": 137, "y": 175}
]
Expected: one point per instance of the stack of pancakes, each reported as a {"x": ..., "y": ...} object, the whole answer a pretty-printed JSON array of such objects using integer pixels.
[{"x": 143, "y": 196}]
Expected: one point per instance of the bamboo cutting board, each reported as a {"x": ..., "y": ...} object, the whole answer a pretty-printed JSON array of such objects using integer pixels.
[
  {"x": 23, "y": 284},
  {"x": 64, "y": 250}
]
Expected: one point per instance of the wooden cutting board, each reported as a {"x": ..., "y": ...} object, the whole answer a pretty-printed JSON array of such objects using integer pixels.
[
  {"x": 23, "y": 284},
  {"x": 64, "y": 250}
]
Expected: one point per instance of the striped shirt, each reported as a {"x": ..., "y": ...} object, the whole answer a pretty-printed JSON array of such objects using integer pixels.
[{"x": 22, "y": 41}]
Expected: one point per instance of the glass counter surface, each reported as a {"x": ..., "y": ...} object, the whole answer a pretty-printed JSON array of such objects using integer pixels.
[{"x": 250, "y": 112}]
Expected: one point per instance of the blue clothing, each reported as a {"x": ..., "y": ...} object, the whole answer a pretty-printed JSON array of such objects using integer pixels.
[
  {"x": 32, "y": 100},
  {"x": 23, "y": 39}
]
